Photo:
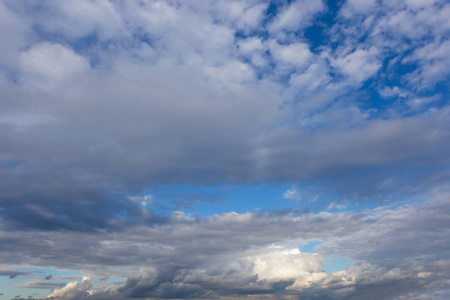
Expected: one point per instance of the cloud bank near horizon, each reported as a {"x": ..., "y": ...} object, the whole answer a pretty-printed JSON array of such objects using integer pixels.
[{"x": 255, "y": 253}]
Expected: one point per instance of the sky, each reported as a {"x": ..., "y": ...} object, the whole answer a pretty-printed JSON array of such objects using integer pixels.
[{"x": 221, "y": 149}]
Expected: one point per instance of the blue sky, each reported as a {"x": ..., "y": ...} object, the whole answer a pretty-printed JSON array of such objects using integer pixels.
[{"x": 224, "y": 149}]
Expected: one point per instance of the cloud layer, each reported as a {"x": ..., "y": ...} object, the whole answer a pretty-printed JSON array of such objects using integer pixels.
[
  {"x": 239, "y": 254},
  {"x": 103, "y": 100}
]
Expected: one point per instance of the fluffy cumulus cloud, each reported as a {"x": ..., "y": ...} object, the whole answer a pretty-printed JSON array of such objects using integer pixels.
[{"x": 107, "y": 104}]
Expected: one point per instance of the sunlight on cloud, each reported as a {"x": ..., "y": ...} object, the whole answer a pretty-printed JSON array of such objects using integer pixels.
[{"x": 46, "y": 65}]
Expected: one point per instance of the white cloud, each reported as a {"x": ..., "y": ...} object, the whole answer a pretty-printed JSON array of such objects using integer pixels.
[
  {"x": 143, "y": 200},
  {"x": 254, "y": 49},
  {"x": 74, "y": 290},
  {"x": 252, "y": 17},
  {"x": 292, "y": 194},
  {"x": 244, "y": 15},
  {"x": 47, "y": 64},
  {"x": 230, "y": 74},
  {"x": 419, "y": 103},
  {"x": 358, "y": 6},
  {"x": 420, "y": 4},
  {"x": 358, "y": 65},
  {"x": 336, "y": 206},
  {"x": 250, "y": 45},
  {"x": 296, "y": 54},
  {"x": 78, "y": 18},
  {"x": 314, "y": 77},
  {"x": 388, "y": 92},
  {"x": 154, "y": 13},
  {"x": 297, "y": 15},
  {"x": 434, "y": 64},
  {"x": 277, "y": 263}
]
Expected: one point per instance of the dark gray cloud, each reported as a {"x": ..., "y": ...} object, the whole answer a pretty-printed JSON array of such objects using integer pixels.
[
  {"x": 14, "y": 273},
  {"x": 235, "y": 254},
  {"x": 41, "y": 285},
  {"x": 415, "y": 235}
]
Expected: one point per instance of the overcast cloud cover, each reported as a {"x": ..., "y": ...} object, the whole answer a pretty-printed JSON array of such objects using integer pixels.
[{"x": 127, "y": 129}]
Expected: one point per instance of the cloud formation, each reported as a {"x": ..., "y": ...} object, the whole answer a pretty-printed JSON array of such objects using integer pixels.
[
  {"x": 147, "y": 91},
  {"x": 239, "y": 254},
  {"x": 347, "y": 103}
]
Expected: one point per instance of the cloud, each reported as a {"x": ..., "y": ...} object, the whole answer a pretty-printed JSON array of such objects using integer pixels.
[
  {"x": 335, "y": 206},
  {"x": 41, "y": 285},
  {"x": 363, "y": 7},
  {"x": 46, "y": 64},
  {"x": 153, "y": 105},
  {"x": 13, "y": 37},
  {"x": 293, "y": 194},
  {"x": 296, "y": 15},
  {"x": 296, "y": 54},
  {"x": 396, "y": 29},
  {"x": 433, "y": 60},
  {"x": 77, "y": 19},
  {"x": 395, "y": 228},
  {"x": 73, "y": 290},
  {"x": 236, "y": 254},
  {"x": 11, "y": 273},
  {"x": 359, "y": 65},
  {"x": 143, "y": 200},
  {"x": 104, "y": 101},
  {"x": 275, "y": 264}
]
